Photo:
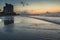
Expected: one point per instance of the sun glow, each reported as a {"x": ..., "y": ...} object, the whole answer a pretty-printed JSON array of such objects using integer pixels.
[{"x": 38, "y": 9}]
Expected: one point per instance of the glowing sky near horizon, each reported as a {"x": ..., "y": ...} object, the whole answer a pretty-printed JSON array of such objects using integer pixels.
[{"x": 35, "y": 6}]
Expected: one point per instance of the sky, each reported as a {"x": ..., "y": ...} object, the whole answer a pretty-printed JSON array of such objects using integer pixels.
[{"x": 34, "y": 7}]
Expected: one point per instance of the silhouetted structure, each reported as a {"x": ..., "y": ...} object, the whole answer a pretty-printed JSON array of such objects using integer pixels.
[{"x": 8, "y": 9}]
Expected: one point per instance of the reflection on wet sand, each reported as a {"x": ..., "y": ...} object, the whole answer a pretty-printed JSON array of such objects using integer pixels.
[
  {"x": 27, "y": 30},
  {"x": 8, "y": 20},
  {"x": 8, "y": 24},
  {"x": 9, "y": 28}
]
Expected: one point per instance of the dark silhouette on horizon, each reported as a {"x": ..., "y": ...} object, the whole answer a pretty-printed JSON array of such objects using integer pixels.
[{"x": 8, "y": 10}]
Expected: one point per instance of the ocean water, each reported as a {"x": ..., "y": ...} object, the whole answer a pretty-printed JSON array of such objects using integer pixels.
[{"x": 25, "y": 28}]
